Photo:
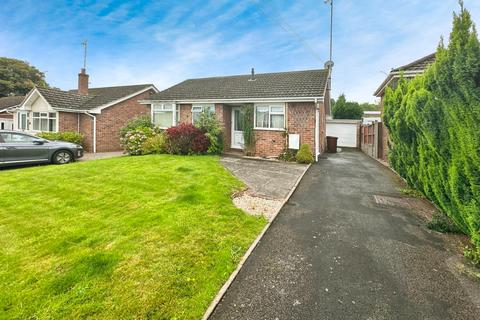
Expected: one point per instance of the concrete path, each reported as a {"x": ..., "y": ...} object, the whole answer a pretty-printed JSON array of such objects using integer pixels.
[
  {"x": 271, "y": 179},
  {"x": 101, "y": 155},
  {"x": 336, "y": 252}
]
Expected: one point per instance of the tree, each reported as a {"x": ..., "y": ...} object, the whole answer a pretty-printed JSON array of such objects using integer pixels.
[
  {"x": 343, "y": 109},
  {"x": 369, "y": 106},
  {"x": 19, "y": 77},
  {"x": 434, "y": 126}
]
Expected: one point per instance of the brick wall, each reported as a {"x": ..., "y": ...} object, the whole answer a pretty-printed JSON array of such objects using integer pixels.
[
  {"x": 68, "y": 121},
  {"x": 227, "y": 126},
  {"x": 269, "y": 143},
  {"x": 300, "y": 117},
  {"x": 86, "y": 128},
  {"x": 114, "y": 118},
  {"x": 301, "y": 120},
  {"x": 185, "y": 113}
]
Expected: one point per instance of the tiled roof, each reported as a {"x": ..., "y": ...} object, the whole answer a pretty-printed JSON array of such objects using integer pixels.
[
  {"x": 96, "y": 97},
  {"x": 11, "y": 101},
  {"x": 409, "y": 70},
  {"x": 309, "y": 83},
  {"x": 419, "y": 65}
]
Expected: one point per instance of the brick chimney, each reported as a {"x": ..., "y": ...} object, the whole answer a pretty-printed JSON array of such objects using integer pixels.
[{"x": 83, "y": 82}]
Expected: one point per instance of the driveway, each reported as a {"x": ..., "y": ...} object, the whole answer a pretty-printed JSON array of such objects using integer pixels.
[{"x": 342, "y": 248}]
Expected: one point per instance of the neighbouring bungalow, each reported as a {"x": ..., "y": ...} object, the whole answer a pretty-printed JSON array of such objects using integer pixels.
[
  {"x": 290, "y": 108},
  {"x": 407, "y": 71},
  {"x": 7, "y": 106},
  {"x": 97, "y": 113}
]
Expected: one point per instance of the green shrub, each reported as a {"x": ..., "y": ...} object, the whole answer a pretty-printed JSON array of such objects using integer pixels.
[
  {"x": 288, "y": 155},
  {"x": 212, "y": 129},
  {"x": 434, "y": 126},
  {"x": 133, "y": 140},
  {"x": 68, "y": 136},
  {"x": 304, "y": 155},
  {"x": 154, "y": 144},
  {"x": 249, "y": 140},
  {"x": 144, "y": 121}
]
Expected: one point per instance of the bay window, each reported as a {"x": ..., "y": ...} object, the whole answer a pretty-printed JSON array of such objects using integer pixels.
[
  {"x": 44, "y": 121},
  {"x": 270, "y": 116},
  {"x": 198, "y": 109},
  {"x": 165, "y": 115}
]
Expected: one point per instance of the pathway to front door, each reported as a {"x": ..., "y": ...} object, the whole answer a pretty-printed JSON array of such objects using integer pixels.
[{"x": 336, "y": 252}]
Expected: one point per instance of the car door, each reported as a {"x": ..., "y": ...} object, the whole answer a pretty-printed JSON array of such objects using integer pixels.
[
  {"x": 18, "y": 147},
  {"x": 1, "y": 150}
]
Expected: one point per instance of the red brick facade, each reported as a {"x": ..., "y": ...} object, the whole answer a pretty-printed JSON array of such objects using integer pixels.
[
  {"x": 109, "y": 123},
  {"x": 300, "y": 119}
]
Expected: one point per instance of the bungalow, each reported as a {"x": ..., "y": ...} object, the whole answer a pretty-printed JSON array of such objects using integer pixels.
[
  {"x": 407, "y": 71},
  {"x": 97, "y": 113},
  {"x": 7, "y": 105},
  {"x": 290, "y": 108}
]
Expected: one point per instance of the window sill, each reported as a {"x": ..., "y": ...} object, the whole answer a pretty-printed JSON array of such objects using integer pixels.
[{"x": 269, "y": 129}]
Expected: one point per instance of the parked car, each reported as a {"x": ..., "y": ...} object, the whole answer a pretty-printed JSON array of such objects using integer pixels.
[{"x": 17, "y": 148}]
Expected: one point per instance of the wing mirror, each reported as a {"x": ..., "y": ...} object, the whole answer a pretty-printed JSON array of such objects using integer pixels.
[{"x": 39, "y": 142}]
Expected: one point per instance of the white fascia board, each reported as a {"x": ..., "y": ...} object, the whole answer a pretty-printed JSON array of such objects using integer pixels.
[
  {"x": 99, "y": 109},
  {"x": 248, "y": 100}
]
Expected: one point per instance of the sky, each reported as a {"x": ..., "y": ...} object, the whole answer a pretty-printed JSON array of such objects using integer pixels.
[{"x": 165, "y": 42}]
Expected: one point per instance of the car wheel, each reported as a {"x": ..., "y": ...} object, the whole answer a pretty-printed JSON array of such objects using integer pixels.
[{"x": 62, "y": 157}]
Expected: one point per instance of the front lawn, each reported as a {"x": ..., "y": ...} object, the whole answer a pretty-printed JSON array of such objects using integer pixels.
[{"x": 133, "y": 237}]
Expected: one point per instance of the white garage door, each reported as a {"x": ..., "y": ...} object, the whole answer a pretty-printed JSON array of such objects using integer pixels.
[{"x": 345, "y": 130}]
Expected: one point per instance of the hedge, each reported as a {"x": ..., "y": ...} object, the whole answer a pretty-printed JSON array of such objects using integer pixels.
[
  {"x": 68, "y": 136},
  {"x": 434, "y": 126}
]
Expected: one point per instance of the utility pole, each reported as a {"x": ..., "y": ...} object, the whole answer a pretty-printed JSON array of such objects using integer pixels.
[
  {"x": 330, "y": 61},
  {"x": 85, "y": 44}
]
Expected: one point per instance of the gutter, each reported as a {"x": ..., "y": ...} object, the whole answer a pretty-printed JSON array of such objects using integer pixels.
[
  {"x": 317, "y": 129},
  {"x": 94, "y": 130},
  {"x": 242, "y": 100}
]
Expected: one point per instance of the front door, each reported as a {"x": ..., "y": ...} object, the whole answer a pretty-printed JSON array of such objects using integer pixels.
[{"x": 237, "y": 128}]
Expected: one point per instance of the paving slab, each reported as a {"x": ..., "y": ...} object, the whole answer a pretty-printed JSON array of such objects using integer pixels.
[
  {"x": 336, "y": 252},
  {"x": 271, "y": 179}
]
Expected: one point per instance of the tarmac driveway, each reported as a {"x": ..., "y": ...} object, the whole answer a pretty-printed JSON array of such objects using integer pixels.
[{"x": 342, "y": 248}]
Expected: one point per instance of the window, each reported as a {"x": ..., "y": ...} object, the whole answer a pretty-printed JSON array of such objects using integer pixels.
[
  {"x": 23, "y": 121},
  {"x": 17, "y": 138},
  {"x": 270, "y": 116},
  {"x": 198, "y": 109},
  {"x": 44, "y": 121},
  {"x": 165, "y": 115}
]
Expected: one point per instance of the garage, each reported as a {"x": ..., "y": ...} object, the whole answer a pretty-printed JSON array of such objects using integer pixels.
[{"x": 347, "y": 132}]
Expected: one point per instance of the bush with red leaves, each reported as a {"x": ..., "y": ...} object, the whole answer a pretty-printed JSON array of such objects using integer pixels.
[{"x": 186, "y": 139}]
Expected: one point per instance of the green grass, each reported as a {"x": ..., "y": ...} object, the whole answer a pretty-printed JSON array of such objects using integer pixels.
[{"x": 150, "y": 237}]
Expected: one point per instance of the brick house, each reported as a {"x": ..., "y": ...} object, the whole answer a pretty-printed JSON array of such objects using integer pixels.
[
  {"x": 407, "y": 71},
  {"x": 7, "y": 106},
  {"x": 97, "y": 113},
  {"x": 290, "y": 108}
]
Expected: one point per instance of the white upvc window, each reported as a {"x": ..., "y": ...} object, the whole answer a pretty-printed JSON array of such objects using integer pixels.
[
  {"x": 270, "y": 116},
  {"x": 165, "y": 115},
  {"x": 198, "y": 109},
  {"x": 44, "y": 121}
]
